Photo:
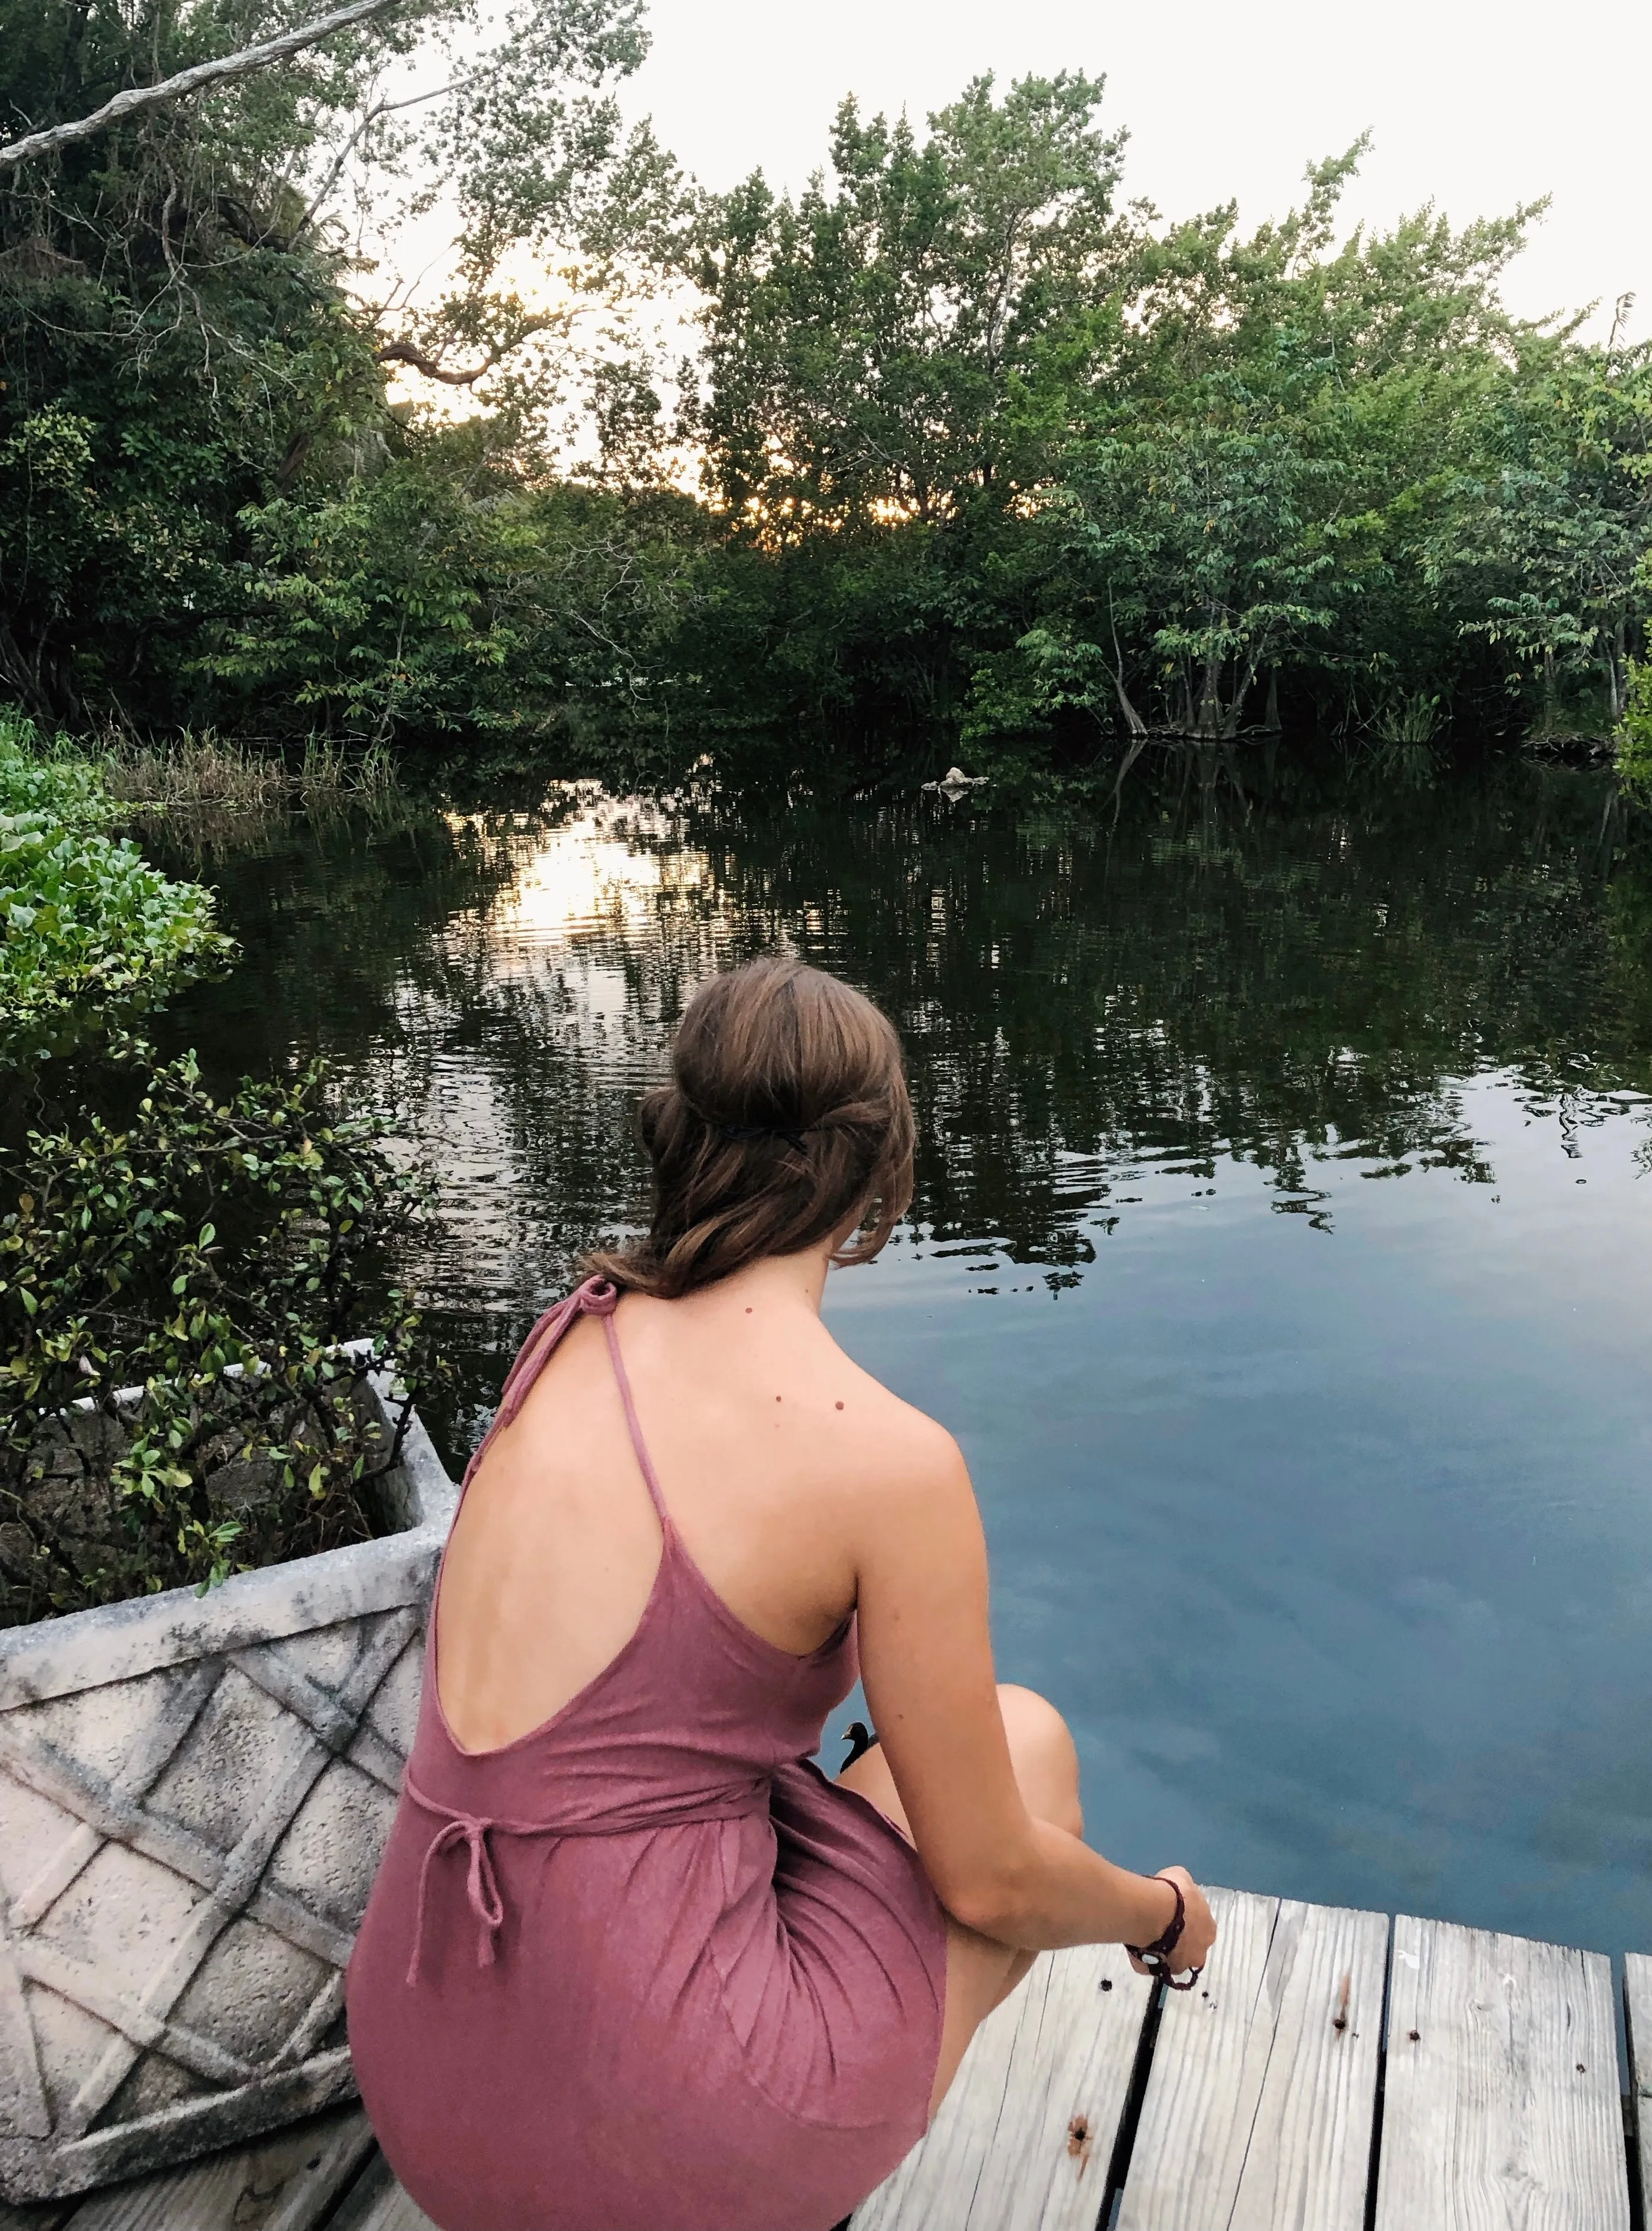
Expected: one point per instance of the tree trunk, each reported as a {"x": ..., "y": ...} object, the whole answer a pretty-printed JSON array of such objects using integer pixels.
[
  {"x": 1616, "y": 673},
  {"x": 1134, "y": 724},
  {"x": 1210, "y": 706},
  {"x": 41, "y": 680}
]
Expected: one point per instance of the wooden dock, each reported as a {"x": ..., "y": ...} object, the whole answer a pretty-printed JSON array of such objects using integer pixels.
[{"x": 1334, "y": 2070}]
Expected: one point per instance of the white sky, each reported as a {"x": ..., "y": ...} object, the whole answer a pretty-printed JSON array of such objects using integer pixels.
[{"x": 1474, "y": 105}]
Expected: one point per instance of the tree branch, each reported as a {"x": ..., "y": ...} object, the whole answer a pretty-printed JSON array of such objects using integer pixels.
[
  {"x": 382, "y": 108},
  {"x": 138, "y": 98},
  {"x": 405, "y": 352}
]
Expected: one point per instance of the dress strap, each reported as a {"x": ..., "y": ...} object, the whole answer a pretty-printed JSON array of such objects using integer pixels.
[
  {"x": 634, "y": 1423},
  {"x": 597, "y": 1297}
]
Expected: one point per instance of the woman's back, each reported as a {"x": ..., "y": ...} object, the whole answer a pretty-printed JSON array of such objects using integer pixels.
[
  {"x": 765, "y": 1437},
  {"x": 638, "y": 1966},
  {"x": 631, "y": 1963}
]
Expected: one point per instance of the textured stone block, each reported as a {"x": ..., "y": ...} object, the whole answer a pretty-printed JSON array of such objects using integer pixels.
[{"x": 194, "y": 1791}]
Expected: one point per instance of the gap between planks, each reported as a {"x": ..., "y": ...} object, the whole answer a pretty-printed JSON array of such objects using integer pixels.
[
  {"x": 1263, "y": 2084},
  {"x": 1024, "y": 2138},
  {"x": 1500, "y": 2110}
]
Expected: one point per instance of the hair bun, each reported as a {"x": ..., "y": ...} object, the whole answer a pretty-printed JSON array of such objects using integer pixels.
[{"x": 744, "y": 1166}]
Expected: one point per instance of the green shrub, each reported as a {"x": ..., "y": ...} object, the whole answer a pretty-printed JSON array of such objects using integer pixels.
[
  {"x": 193, "y": 1236},
  {"x": 1635, "y": 738},
  {"x": 35, "y": 778},
  {"x": 91, "y": 931}
]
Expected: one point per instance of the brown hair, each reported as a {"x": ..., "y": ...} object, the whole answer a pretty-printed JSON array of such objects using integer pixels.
[{"x": 786, "y": 1116}]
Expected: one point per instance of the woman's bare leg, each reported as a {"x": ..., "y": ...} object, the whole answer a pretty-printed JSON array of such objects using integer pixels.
[{"x": 981, "y": 1973}]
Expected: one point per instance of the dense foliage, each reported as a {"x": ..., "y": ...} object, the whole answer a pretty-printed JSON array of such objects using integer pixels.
[
  {"x": 985, "y": 460},
  {"x": 210, "y": 1250},
  {"x": 1052, "y": 467},
  {"x": 192, "y": 1235},
  {"x": 191, "y": 319},
  {"x": 88, "y": 929}
]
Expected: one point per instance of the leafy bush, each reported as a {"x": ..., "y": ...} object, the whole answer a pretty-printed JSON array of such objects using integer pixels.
[
  {"x": 38, "y": 779},
  {"x": 211, "y": 1254},
  {"x": 89, "y": 927},
  {"x": 214, "y": 1254},
  {"x": 1634, "y": 738},
  {"x": 443, "y": 595}
]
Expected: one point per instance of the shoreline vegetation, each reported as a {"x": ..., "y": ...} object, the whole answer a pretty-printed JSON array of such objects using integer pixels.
[
  {"x": 958, "y": 455},
  {"x": 212, "y": 1250},
  {"x": 958, "y": 458}
]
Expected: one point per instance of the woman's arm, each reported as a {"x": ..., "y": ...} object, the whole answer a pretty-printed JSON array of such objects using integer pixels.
[{"x": 926, "y": 1660}]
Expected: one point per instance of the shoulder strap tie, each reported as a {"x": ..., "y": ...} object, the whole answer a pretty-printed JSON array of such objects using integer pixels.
[{"x": 597, "y": 1297}]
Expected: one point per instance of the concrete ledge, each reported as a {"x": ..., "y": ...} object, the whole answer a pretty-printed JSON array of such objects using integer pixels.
[{"x": 194, "y": 1793}]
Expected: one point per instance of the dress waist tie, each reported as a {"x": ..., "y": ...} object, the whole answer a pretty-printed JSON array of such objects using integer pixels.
[{"x": 481, "y": 1883}]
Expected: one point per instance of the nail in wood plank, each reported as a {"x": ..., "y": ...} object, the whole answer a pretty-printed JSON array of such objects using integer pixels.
[
  {"x": 1024, "y": 2137},
  {"x": 1501, "y": 2104},
  {"x": 1263, "y": 2088}
]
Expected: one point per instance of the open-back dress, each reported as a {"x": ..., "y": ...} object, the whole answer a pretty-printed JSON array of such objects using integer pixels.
[{"x": 647, "y": 1969}]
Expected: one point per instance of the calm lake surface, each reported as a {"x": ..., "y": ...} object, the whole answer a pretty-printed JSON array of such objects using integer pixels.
[{"x": 1280, "y": 1256}]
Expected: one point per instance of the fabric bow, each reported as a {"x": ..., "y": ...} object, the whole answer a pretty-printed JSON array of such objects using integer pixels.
[{"x": 482, "y": 1885}]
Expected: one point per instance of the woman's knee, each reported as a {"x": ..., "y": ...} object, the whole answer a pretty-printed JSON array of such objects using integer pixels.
[{"x": 1042, "y": 1751}]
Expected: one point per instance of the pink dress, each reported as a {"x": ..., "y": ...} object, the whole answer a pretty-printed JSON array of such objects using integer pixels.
[{"x": 646, "y": 1969}]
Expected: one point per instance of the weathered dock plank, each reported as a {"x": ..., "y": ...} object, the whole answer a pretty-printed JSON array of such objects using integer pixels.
[
  {"x": 288, "y": 2181},
  {"x": 1023, "y": 2139},
  {"x": 378, "y": 2204},
  {"x": 1638, "y": 2023},
  {"x": 1501, "y": 2104},
  {"x": 1263, "y": 2089}
]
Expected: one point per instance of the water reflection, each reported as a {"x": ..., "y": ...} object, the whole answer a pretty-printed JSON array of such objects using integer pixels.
[
  {"x": 1297, "y": 980},
  {"x": 1279, "y": 1251}
]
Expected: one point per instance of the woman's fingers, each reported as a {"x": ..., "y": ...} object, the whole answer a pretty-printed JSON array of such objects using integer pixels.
[
  {"x": 1198, "y": 1924},
  {"x": 1192, "y": 1948}
]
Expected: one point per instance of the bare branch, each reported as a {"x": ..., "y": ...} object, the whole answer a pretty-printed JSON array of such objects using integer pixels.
[
  {"x": 138, "y": 98},
  {"x": 382, "y": 108},
  {"x": 409, "y": 352}
]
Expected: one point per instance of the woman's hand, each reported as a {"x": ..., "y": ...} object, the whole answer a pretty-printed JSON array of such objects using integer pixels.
[{"x": 1198, "y": 1925}]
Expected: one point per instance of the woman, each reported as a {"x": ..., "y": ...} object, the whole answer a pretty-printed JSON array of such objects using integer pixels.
[{"x": 631, "y": 1963}]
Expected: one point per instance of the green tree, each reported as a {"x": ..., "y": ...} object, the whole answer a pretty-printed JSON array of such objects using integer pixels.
[
  {"x": 862, "y": 343},
  {"x": 1544, "y": 535},
  {"x": 442, "y": 594},
  {"x": 188, "y": 320}
]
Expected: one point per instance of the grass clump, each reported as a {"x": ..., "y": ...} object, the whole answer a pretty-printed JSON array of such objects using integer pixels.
[{"x": 199, "y": 769}]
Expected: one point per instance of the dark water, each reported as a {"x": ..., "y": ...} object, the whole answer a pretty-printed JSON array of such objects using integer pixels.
[{"x": 1279, "y": 1258}]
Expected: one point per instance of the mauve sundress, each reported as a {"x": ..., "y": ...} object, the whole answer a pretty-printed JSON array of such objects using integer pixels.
[{"x": 646, "y": 1969}]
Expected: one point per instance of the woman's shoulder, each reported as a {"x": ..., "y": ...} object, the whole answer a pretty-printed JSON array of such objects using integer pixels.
[{"x": 891, "y": 1445}]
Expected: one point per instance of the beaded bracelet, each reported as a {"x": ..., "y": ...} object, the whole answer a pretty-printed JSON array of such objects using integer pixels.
[{"x": 1156, "y": 1957}]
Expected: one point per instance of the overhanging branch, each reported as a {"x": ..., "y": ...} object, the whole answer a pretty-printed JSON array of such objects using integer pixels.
[
  {"x": 432, "y": 367},
  {"x": 227, "y": 68},
  {"x": 405, "y": 352}
]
